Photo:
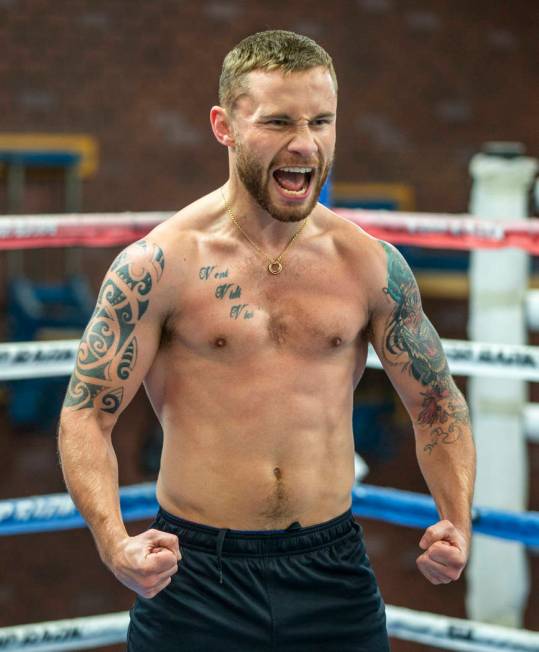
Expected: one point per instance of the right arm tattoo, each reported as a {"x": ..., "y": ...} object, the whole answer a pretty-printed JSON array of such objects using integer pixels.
[{"x": 108, "y": 349}]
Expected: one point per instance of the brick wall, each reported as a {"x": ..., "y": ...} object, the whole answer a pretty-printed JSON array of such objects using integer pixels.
[{"x": 422, "y": 86}]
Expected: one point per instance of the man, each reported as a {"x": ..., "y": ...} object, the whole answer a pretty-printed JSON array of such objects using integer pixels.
[{"x": 247, "y": 315}]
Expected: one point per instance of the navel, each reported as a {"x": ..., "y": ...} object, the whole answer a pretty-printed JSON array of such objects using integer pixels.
[{"x": 277, "y": 473}]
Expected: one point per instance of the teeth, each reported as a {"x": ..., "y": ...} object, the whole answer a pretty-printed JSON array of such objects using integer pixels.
[
  {"x": 302, "y": 170},
  {"x": 293, "y": 192}
]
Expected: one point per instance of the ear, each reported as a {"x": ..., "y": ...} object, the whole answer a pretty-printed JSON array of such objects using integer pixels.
[{"x": 221, "y": 126}]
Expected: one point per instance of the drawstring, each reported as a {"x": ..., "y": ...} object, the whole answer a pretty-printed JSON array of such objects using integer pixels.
[{"x": 220, "y": 540}]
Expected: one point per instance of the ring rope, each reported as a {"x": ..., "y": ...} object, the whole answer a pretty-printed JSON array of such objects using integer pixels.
[
  {"x": 57, "y": 358},
  {"x": 68, "y": 634},
  {"x": 435, "y": 230},
  {"x": 407, "y": 624},
  {"x": 456, "y": 633},
  {"x": 57, "y": 512},
  {"x": 40, "y": 359}
]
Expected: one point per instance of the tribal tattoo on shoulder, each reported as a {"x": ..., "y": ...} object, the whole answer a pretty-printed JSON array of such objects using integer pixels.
[
  {"x": 411, "y": 342},
  {"x": 108, "y": 350}
]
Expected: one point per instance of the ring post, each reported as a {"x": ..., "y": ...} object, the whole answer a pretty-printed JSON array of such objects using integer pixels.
[{"x": 498, "y": 582}]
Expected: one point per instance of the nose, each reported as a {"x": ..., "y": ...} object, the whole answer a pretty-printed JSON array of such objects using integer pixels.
[{"x": 302, "y": 142}]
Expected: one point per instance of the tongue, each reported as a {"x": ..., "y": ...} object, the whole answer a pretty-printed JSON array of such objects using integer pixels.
[{"x": 290, "y": 180}]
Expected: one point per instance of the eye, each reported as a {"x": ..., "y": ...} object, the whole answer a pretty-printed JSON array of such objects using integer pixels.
[
  {"x": 277, "y": 122},
  {"x": 319, "y": 122}
]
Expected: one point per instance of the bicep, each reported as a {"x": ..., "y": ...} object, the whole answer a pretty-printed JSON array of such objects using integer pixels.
[
  {"x": 122, "y": 337},
  {"x": 411, "y": 351},
  {"x": 406, "y": 342}
]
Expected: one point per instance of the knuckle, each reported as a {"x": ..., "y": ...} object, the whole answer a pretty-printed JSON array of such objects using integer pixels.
[{"x": 454, "y": 574}]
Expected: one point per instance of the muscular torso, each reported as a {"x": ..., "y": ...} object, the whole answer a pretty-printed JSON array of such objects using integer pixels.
[{"x": 254, "y": 377}]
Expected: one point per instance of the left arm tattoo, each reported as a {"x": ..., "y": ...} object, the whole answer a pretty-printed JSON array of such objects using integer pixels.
[{"x": 411, "y": 342}]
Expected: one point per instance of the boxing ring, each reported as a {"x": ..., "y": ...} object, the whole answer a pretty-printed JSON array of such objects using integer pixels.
[{"x": 57, "y": 358}]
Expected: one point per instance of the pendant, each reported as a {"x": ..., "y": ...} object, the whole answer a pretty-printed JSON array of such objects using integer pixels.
[{"x": 275, "y": 267}]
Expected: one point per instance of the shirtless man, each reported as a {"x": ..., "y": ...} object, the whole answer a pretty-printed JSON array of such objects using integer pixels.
[{"x": 247, "y": 315}]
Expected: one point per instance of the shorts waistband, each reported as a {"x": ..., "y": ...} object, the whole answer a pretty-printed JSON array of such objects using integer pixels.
[{"x": 257, "y": 542}]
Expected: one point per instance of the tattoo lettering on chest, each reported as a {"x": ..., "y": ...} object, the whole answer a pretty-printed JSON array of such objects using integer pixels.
[
  {"x": 226, "y": 291},
  {"x": 411, "y": 342},
  {"x": 108, "y": 350}
]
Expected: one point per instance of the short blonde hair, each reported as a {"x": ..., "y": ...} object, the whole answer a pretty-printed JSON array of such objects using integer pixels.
[{"x": 270, "y": 50}]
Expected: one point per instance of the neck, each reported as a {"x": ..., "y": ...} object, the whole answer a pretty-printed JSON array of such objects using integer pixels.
[{"x": 264, "y": 229}]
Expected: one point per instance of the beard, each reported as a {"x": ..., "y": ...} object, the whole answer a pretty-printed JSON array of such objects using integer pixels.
[{"x": 256, "y": 181}]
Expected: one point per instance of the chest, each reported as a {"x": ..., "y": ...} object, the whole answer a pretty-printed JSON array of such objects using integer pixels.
[{"x": 236, "y": 305}]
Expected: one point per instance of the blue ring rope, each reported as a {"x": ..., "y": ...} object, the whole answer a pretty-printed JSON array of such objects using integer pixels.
[{"x": 57, "y": 512}]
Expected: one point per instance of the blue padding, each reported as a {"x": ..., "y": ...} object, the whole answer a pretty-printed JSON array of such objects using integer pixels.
[
  {"x": 38, "y": 158},
  {"x": 326, "y": 193},
  {"x": 57, "y": 512},
  {"x": 36, "y": 402}
]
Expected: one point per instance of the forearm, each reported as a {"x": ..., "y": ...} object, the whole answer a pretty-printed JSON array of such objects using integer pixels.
[
  {"x": 449, "y": 471},
  {"x": 90, "y": 472}
]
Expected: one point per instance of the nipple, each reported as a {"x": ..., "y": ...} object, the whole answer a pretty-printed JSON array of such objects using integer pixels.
[
  {"x": 336, "y": 341},
  {"x": 220, "y": 341}
]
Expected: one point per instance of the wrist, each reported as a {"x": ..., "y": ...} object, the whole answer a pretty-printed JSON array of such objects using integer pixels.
[
  {"x": 110, "y": 547},
  {"x": 463, "y": 527}
]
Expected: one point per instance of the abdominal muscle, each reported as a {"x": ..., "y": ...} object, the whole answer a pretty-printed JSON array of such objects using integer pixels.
[{"x": 258, "y": 461}]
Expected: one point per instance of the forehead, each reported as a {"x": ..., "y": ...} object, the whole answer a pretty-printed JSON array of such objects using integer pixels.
[{"x": 304, "y": 92}]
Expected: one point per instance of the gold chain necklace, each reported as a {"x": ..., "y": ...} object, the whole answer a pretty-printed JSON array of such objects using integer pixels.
[{"x": 275, "y": 265}]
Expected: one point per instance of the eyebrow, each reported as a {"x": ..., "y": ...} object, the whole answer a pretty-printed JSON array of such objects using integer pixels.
[{"x": 284, "y": 116}]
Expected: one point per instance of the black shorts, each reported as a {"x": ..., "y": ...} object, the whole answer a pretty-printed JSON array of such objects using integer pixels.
[{"x": 303, "y": 589}]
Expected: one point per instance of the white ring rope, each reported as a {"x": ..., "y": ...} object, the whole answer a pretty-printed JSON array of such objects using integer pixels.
[
  {"x": 422, "y": 627},
  {"x": 57, "y": 358},
  {"x": 39, "y": 359},
  {"x": 24, "y": 226},
  {"x": 456, "y": 633},
  {"x": 73, "y": 634}
]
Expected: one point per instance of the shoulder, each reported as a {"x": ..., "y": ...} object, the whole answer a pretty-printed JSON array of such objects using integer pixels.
[
  {"x": 367, "y": 256},
  {"x": 162, "y": 251},
  {"x": 380, "y": 269},
  {"x": 181, "y": 232}
]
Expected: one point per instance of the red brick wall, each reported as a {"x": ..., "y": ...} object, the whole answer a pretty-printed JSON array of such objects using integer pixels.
[{"x": 422, "y": 86}]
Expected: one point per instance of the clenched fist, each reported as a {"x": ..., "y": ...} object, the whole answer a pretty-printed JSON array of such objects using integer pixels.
[
  {"x": 145, "y": 563},
  {"x": 446, "y": 553}
]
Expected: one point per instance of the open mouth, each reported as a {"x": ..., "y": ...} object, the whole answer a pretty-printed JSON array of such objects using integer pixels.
[{"x": 294, "y": 182}]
